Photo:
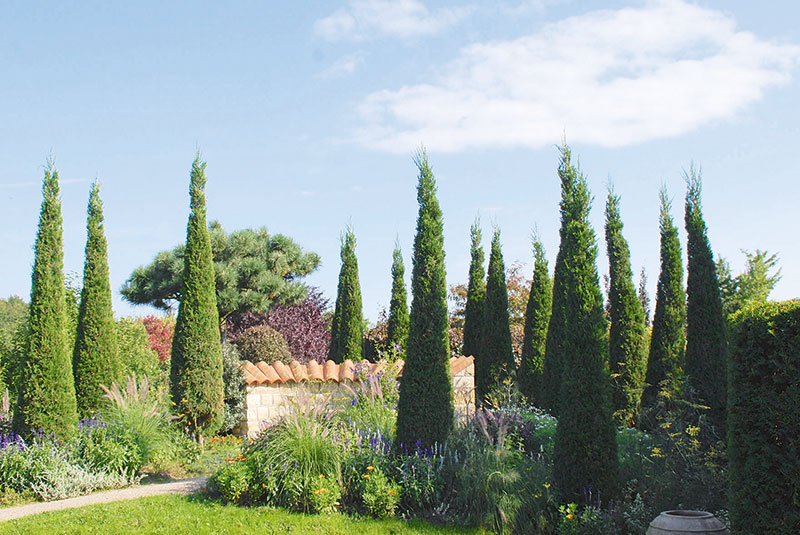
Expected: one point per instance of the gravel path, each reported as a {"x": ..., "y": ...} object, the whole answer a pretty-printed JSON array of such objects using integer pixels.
[{"x": 186, "y": 486}]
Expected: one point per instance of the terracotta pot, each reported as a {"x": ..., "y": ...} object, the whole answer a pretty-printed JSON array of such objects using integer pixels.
[{"x": 679, "y": 522}]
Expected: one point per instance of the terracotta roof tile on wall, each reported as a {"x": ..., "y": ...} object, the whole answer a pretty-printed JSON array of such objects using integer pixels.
[{"x": 278, "y": 372}]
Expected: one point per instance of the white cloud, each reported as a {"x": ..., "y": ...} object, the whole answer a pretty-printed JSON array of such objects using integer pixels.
[
  {"x": 610, "y": 77},
  {"x": 343, "y": 66},
  {"x": 364, "y": 19}
]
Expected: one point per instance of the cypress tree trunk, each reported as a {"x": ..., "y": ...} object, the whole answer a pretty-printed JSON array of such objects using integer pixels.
[
  {"x": 496, "y": 359},
  {"x": 347, "y": 331},
  {"x": 585, "y": 454},
  {"x": 425, "y": 407},
  {"x": 46, "y": 399},
  {"x": 537, "y": 319},
  {"x": 627, "y": 354},
  {"x": 706, "y": 336},
  {"x": 397, "y": 327},
  {"x": 476, "y": 294},
  {"x": 95, "y": 357},
  {"x": 196, "y": 365},
  {"x": 668, "y": 341}
]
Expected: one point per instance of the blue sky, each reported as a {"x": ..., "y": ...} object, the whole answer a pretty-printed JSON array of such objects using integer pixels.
[{"x": 308, "y": 114}]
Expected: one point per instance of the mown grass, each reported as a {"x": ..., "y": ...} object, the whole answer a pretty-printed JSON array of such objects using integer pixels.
[{"x": 175, "y": 515}]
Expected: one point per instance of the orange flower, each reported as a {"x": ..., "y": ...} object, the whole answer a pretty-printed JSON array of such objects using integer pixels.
[
  {"x": 321, "y": 476},
  {"x": 390, "y": 492},
  {"x": 370, "y": 468},
  {"x": 570, "y": 516},
  {"x": 317, "y": 491},
  {"x": 365, "y": 476}
]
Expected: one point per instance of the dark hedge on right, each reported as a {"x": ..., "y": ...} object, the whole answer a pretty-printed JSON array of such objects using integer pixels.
[{"x": 764, "y": 419}]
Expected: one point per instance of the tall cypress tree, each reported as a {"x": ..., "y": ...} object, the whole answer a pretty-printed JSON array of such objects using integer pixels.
[
  {"x": 585, "y": 451},
  {"x": 496, "y": 360},
  {"x": 476, "y": 294},
  {"x": 425, "y": 407},
  {"x": 196, "y": 365},
  {"x": 398, "y": 306},
  {"x": 347, "y": 328},
  {"x": 627, "y": 353},
  {"x": 46, "y": 399},
  {"x": 668, "y": 341},
  {"x": 706, "y": 336},
  {"x": 537, "y": 319},
  {"x": 95, "y": 359}
]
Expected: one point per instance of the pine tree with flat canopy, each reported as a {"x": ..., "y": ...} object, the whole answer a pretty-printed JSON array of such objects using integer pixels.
[
  {"x": 196, "y": 364},
  {"x": 537, "y": 319},
  {"x": 668, "y": 341},
  {"x": 425, "y": 407},
  {"x": 397, "y": 328},
  {"x": 496, "y": 361},
  {"x": 585, "y": 452},
  {"x": 347, "y": 327},
  {"x": 476, "y": 295},
  {"x": 95, "y": 358},
  {"x": 46, "y": 399},
  {"x": 627, "y": 354},
  {"x": 706, "y": 329}
]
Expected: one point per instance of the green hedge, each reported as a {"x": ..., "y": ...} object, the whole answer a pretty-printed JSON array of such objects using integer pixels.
[{"x": 764, "y": 419}]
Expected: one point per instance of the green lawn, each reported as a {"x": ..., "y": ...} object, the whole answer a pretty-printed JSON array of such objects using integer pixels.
[{"x": 174, "y": 515}]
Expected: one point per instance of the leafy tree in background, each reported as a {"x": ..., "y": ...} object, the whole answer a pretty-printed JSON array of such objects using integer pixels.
[
  {"x": 95, "y": 358},
  {"x": 706, "y": 330},
  {"x": 253, "y": 271},
  {"x": 495, "y": 361},
  {"x": 752, "y": 286},
  {"x": 160, "y": 332},
  {"x": 196, "y": 364},
  {"x": 425, "y": 407},
  {"x": 140, "y": 358},
  {"x": 585, "y": 452},
  {"x": 627, "y": 353},
  {"x": 475, "y": 297},
  {"x": 46, "y": 399},
  {"x": 347, "y": 327},
  {"x": 537, "y": 319},
  {"x": 398, "y": 306},
  {"x": 13, "y": 317},
  {"x": 668, "y": 339}
]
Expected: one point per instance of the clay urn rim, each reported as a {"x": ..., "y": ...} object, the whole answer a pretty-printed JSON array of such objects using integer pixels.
[{"x": 684, "y": 513}]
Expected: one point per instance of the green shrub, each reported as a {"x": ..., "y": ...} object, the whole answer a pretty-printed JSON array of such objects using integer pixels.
[
  {"x": 136, "y": 354},
  {"x": 322, "y": 494},
  {"x": 232, "y": 481},
  {"x": 380, "y": 495},
  {"x": 262, "y": 342},
  {"x": 764, "y": 419},
  {"x": 233, "y": 379},
  {"x": 113, "y": 450},
  {"x": 589, "y": 520}
]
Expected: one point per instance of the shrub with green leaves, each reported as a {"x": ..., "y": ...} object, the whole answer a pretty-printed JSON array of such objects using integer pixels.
[
  {"x": 231, "y": 481},
  {"x": 233, "y": 378},
  {"x": 137, "y": 356},
  {"x": 109, "y": 449},
  {"x": 379, "y": 494},
  {"x": 323, "y": 494},
  {"x": 262, "y": 342}
]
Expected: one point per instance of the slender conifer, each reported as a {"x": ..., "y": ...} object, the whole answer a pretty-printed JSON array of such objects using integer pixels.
[
  {"x": 476, "y": 295},
  {"x": 425, "y": 407},
  {"x": 537, "y": 319},
  {"x": 347, "y": 328},
  {"x": 95, "y": 359},
  {"x": 397, "y": 328},
  {"x": 46, "y": 399}
]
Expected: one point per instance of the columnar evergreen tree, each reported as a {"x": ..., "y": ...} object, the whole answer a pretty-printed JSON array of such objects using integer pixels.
[
  {"x": 644, "y": 297},
  {"x": 425, "y": 407},
  {"x": 627, "y": 353},
  {"x": 585, "y": 451},
  {"x": 95, "y": 359},
  {"x": 397, "y": 328},
  {"x": 496, "y": 359},
  {"x": 537, "y": 319},
  {"x": 476, "y": 294},
  {"x": 668, "y": 340},
  {"x": 347, "y": 328},
  {"x": 46, "y": 395},
  {"x": 196, "y": 365},
  {"x": 706, "y": 336}
]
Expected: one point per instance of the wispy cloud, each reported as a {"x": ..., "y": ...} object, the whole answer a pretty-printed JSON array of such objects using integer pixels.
[
  {"x": 609, "y": 77},
  {"x": 365, "y": 19},
  {"x": 343, "y": 66}
]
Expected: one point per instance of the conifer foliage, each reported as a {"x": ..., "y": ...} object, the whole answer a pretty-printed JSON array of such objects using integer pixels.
[
  {"x": 95, "y": 359},
  {"x": 425, "y": 407},
  {"x": 347, "y": 327},
  {"x": 706, "y": 336},
  {"x": 397, "y": 328},
  {"x": 47, "y": 389},
  {"x": 196, "y": 366},
  {"x": 476, "y": 294},
  {"x": 585, "y": 452},
  {"x": 496, "y": 360},
  {"x": 668, "y": 340},
  {"x": 537, "y": 318},
  {"x": 627, "y": 353}
]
